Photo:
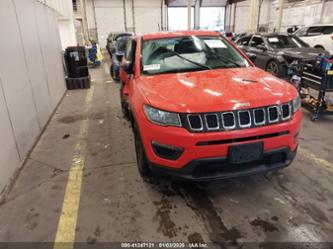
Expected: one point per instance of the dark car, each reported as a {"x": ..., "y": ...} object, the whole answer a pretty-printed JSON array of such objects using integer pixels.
[
  {"x": 275, "y": 52},
  {"x": 117, "y": 55},
  {"x": 112, "y": 40}
]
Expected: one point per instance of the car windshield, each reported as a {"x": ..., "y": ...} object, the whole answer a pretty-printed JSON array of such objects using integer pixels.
[
  {"x": 121, "y": 43},
  {"x": 285, "y": 41},
  {"x": 190, "y": 53}
]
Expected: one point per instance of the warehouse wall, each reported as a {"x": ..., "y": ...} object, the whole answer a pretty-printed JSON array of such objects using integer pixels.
[
  {"x": 140, "y": 16},
  {"x": 31, "y": 78},
  {"x": 301, "y": 13},
  {"x": 65, "y": 16}
]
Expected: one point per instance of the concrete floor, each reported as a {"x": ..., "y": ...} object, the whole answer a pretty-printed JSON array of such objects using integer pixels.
[{"x": 116, "y": 205}]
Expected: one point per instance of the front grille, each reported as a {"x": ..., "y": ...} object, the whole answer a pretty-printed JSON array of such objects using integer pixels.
[
  {"x": 259, "y": 117},
  {"x": 273, "y": 114},
  {"x": 212, "y": 121},
  {"x": 195, "y": 122},
  {"x": 238, "y": 119},
  {"x": 285, "y": 111},
  {"x": 244, "y": 119},
  {"x": 228, "y": 120}
]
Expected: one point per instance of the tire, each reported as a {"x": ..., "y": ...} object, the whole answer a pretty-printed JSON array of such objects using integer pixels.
[
  {"x": 78, "y": 83},
  {"x": 142, "y": 162},
  {"x": 112, "y": 73},
  {"x": 320, "y": 47},
  {"x": 274, "y": 68}
]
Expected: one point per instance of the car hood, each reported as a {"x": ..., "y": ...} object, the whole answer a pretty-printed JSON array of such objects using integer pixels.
[
  {"x": 300, "y": 53},
  {"x": 215, "y": 90}
]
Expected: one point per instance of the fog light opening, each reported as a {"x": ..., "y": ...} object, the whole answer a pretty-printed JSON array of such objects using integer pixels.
[{"x": 167, "y": 151}]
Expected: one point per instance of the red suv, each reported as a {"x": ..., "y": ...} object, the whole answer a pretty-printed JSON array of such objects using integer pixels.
[{"x": 201, "y": 110}]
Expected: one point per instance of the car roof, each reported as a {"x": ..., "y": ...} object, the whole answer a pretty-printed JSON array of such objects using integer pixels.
[
  {"x": 159, "y": 35},
  {"x": 271, "y": 34},
  {"x": 319, "y": 25}
]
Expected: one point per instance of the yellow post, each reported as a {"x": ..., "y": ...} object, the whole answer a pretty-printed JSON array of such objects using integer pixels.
[
  {"x": 253, "y": 16},
  {"x": 281, "y": 5}
]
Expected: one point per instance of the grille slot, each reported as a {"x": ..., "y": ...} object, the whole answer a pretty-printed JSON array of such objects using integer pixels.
[
  {"x": 237, "y": 119},
  {"x": 195, "y": 122},
  {"x": 228, "y": 120},
  {"x": 286, "y": 111},
  {"x": 273, "y": 114},
  {"x": 244, "y": 119},
  {"x": 259, "y": 116},
  {"x": 212, "y": 122}
]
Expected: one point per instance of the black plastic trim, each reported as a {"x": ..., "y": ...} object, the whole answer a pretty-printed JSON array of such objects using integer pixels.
[{"x": 187, "y": 173}]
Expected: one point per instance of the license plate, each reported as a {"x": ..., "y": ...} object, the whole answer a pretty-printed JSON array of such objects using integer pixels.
[{"x": 245, "y": 153}]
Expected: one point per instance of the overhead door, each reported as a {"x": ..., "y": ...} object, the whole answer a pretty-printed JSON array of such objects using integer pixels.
[
  {"x": 109, "y": 18},
  {"x": 147, "y": 16}
]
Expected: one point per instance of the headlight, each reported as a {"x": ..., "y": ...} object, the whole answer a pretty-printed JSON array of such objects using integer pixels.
[
  {"x": 297, "y": 103},
  {"x": 280, "y": 58},
  {"x": 162, "y": 117}
]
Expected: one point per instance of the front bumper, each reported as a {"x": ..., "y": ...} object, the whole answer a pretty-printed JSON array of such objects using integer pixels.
[
  {"x": 208, "y": 169},
  {"x": 197, "y": 146}
]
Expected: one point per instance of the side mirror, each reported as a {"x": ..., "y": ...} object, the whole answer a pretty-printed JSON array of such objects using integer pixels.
[
  {"x": 251, "y": 56},
  {"x": 127, "y": 67},
  {"x": 261, "y": 47}
]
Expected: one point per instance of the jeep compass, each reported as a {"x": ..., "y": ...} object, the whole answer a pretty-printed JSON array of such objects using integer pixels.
[{"x": 201, "y": 110}]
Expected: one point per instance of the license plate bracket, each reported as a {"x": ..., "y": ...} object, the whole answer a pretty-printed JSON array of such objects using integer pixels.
[{"x": 245, "y": 153}]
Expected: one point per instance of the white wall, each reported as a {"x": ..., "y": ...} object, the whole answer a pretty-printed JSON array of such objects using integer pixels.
[
  {"x": 31, "y": 78},
  {"x": 302, "y": 13},
  {"x": 65, "y": 16},
  {"x": 147, "y": 16},
  {"x": 121, "y": 15},
  {"x": 67, "y": 33}
]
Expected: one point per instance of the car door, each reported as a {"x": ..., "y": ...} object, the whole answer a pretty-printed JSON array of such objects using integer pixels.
[
  {"x": 327, "y": 41},
  {"x": 258, "y": 47},
  {"x": 312, "y": 35}
]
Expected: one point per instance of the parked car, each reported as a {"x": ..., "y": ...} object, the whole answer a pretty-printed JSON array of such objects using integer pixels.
[
  {"x": 275, "y": 52},
  {"x": 318, "y": 36},
  {"x": 229, "y": 35},
  {"x": 201, "y": 110},
  {"x": 117, "y": 55},
  {"x": 112, "y": 40},
  {"x": 238, "y": 36}
]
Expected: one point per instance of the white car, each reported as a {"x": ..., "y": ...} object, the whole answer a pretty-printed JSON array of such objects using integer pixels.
[{"x": 318, "y": 36}]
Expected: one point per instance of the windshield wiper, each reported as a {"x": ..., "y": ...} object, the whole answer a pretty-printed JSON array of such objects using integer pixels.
[
  {"x": 226, "y": 59},
  {"x": 184, "y": 58}
]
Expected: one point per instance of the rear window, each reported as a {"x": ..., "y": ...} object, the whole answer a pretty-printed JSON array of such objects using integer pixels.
[{"x": 328, "y": 30}]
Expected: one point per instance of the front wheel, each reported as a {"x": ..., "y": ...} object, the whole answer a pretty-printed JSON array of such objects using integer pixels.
[
  {"x": 141, "y": 158},
  {"x": 112, "y": 73},
  {"x": 274, "y": 68}
]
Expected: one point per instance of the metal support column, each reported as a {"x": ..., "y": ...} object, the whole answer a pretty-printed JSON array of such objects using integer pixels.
[{"x": 189, "y": 14}]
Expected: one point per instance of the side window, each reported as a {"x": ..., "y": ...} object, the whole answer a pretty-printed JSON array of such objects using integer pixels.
[
  {"x": 256, "y": 40},
  {"x": 128, "y": 54},
  {"x": 328, "y": 30},
  {"x": 301, "y": 32},
  {"x": 312, "y": 31},
  {"x": 244, "y": 41}
]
